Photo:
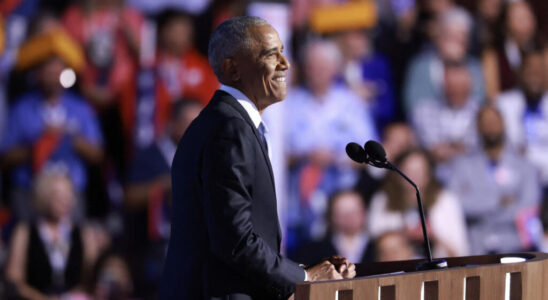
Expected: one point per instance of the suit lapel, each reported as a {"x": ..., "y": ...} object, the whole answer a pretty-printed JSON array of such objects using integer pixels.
[
  {"x": 231, "y": 101},
  {"x": 228, "y": 99}
]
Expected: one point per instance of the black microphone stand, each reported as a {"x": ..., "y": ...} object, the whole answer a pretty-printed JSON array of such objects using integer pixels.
[
  {"x": 431, "y": 263},
  {"x": 373, "y": 154}
]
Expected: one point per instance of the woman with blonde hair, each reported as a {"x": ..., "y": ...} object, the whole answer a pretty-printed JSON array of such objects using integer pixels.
[{"x": 50, "y": 256}]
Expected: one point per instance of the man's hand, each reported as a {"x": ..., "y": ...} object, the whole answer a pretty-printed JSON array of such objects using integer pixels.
[
  {"x": 343, "y": 266},
  {"x": 322, "y": 271},
  {"x": 335, "y": 267}
]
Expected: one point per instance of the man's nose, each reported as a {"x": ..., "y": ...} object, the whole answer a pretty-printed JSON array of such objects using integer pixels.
[{"x": 284, "y": 63}]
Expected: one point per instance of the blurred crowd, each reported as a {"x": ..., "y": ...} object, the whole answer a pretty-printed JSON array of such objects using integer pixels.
[{"x": 96, "y": 94}]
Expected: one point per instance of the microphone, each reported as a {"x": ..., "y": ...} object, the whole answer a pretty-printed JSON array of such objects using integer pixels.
[
  {"x": 375, "y": 155},
  {"x": 356, "y": 153}
]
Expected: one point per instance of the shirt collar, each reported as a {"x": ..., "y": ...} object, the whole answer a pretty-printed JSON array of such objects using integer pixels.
[{"x": 247, "y": 104}]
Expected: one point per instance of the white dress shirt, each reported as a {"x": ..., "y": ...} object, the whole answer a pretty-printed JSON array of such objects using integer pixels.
[
  {"x": 247, "y": 104},
  {"x": 251, "y": 110}
]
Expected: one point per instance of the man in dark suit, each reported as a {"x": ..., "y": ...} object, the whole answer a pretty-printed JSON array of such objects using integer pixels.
[{"x": 225, "y": 238}]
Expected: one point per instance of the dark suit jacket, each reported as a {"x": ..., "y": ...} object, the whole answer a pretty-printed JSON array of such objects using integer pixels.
[{"x": 225, "y": 236}]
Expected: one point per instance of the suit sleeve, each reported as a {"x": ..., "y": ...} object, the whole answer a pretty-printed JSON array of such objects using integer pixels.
[{"x": 228, "y": 169}]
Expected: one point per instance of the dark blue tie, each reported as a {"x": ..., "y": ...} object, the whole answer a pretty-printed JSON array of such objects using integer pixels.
[{"x": 263, "y": 130}]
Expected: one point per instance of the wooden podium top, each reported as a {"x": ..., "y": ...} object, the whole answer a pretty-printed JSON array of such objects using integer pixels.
[{"x": 469, "y": 278}]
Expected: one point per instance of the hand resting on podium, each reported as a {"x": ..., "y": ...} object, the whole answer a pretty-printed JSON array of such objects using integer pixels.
[{"x": 332, "y": 268}]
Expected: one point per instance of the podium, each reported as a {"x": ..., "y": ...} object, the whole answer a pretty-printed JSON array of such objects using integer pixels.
[{"x": 484, "y": 277}]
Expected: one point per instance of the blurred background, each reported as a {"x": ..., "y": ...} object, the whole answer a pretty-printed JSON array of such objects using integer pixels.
[{"x": 95, "y": 95}]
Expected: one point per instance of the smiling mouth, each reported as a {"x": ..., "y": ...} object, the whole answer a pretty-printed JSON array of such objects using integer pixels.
[{"x": 279, "y": 79}]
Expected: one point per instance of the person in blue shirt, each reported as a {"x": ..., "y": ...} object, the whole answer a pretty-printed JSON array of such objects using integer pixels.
[
  {"x": 49, "y": 127},
  {"x": 322, "y": 116},
  {"x": 148, "y": 199},
  {"x": 369, "y": 74}
]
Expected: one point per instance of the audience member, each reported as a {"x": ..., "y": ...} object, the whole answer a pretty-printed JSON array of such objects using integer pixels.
[
  {"x": 110, "y": 33},
  {"x": 152, "y": 165},
  {"x": 424, "y": 80},
  {"x": 182, "y": 72},
  {"x": 327, "y": 114},
  {"x": 322, "y": 117},
  {"x": 397, "y": 138},
  {"x": 17, "y": 80},
  {"x": 394, "y": 208},
  {"x": 16, "y": 17},
  {"x": 347, "y": 234},
  {"x": 447, "y": 127},
  {"x": 49, "y": 126},
  {"x": 495, "y": 187},
  {"x": 177, "y": 71},
  {"x": 525, "y": 113},
  {"x": 487, "y": 23},
  {"x": 502, "y": 61},
  {"x": 418, "y": 62},
  {"x": 148, "y": 199},
  {"x": 394, "y": 246},
  {"x": 369, "y": 74},
  {"x": 398, "y": 36},
  {"x": 111, "y": 279},
  {"x": 194, "y": 7},
  {"x": 430, "y": 11},
  {"x": 51, "y": 256},
  {"x": 302, "y": 9}
]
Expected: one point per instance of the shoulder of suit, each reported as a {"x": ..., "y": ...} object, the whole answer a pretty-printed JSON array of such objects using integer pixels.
[{"x": 232, "y": 126}]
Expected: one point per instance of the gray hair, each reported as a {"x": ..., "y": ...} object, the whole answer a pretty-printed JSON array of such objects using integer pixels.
[
  {"x": 328, "y": 48},
  {"x": 456, "y": 16},
  {"x": 43, "y": 184},
  {"x": 229, "y": 38}
]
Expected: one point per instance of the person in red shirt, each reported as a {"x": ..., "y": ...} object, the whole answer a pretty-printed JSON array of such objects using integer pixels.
[
  {"x": 110, "y": 32},
  {"x": 182, "y": 72},
  {"x": 177, "y": 71}
]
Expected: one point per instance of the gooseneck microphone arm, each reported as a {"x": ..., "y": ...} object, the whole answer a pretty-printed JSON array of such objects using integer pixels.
[
  {"x": 421, "y": 210},
  {"x": 373, "y": 154}
]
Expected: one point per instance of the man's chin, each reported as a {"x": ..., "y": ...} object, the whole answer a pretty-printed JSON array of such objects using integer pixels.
[
  {"x": 277, "y": 97},
  {"x": 273, "y": 97}
]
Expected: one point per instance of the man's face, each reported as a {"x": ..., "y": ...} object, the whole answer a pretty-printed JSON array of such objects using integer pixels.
[
  {"x": 532, "y": 75},
  {"x": 48, "y": 75},
  {"x": 491, "y": 128},
  {"x": 263, "y": 68},
  {"x": 452, "y": 42},
  {"x": 457, "y": 86},
  {"x": 490, "y": 9},
  {"x": 520, "y": 21},
  {"x": 320, "y": 70},
  {"x": 176, "y": 36},
  {"x": 348, "y": 214}
]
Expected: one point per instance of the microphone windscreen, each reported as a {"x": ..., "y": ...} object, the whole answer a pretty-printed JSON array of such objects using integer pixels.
[
  {"x": 355, "y": 152},
  {"x": 375, "y": 151}
]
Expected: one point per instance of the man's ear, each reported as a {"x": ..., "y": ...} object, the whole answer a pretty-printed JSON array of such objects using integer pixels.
[{"x": 230, "y": 70}]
